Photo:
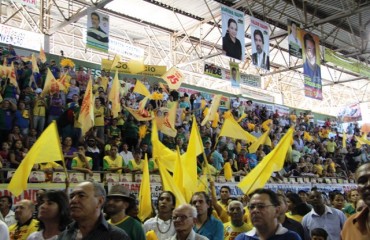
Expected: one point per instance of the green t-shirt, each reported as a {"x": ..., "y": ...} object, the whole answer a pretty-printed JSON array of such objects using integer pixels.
[{"x": 132, "y": 227}]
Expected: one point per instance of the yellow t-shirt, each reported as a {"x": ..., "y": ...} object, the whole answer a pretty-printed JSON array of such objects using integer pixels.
[
  {"x": 49, "y": 165},
  {"x": 23, "y": 232},
  {"x": 99, "y": 116},
  {"x": 108, "y": 162},
  {"x": 230, "y": 231},
  {"x": 318, "y": 168},
  {"x": 39, "y": 108}
]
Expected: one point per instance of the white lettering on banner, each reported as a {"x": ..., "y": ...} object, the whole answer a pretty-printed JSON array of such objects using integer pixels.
[
  {"x": 29, "y": 3},
  {"x": 256, "y": 95},
  {"x": 126, "y": 50},
  {"x": 20, "y": 38}
]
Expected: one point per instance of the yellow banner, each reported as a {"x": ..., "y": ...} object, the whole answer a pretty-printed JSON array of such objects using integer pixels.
[
  {"x": 173, "y": 78},
  {"x": 122, "y": 67}
]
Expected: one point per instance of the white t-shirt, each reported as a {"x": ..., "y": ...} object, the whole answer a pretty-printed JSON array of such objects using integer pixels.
[
  {"x": 4, "y": 231},
  {"x": 39, "y": 236}
]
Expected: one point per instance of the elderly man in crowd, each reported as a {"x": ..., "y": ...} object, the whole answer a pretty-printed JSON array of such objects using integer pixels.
[
  {"x": 236, "y": 225},
  {"x": 184, "y": 218},
  {"x": 86, "y": 202},
  {"x": 25, "y": 223}
]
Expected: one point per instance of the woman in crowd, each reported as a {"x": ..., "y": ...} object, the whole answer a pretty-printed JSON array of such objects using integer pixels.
[
  {"x": 53, "y": 215},
  {"x": 353, "y": 197},
  {"x": 17, "y": 154},
  {"x": 296, "y": 208}
]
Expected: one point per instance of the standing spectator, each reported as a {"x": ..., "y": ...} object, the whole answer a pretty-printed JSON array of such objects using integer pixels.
[
  {"x": 7, "y": 111},
  {"x": 72, "y": 90},
  {"x": 55, "y": 107},
  {"x": 184, "y": 217},
  {"x": 99, "y": 112},
  {"x": 22, "y": 119},
  {"x": 93, "y": 151},
  {"x": 264, "y": 210},
  {"x": 55, "y": 70},
  {"x": 68, "y": 151},
  {"x": 39, "y": 111},
  {"x": 25, "y": 223},
  {"x": 6, "y": 203},
  {"x": 86, "y": 202},
  {"x": 322, "y": 216},
  {"x": 130, "y": 131},
  {"x": 353, "y": 197},
  {"x": 162, "y": 224}
]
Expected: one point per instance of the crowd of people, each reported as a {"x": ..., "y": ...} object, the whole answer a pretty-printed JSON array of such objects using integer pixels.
[{"x": 118, "y": 145}]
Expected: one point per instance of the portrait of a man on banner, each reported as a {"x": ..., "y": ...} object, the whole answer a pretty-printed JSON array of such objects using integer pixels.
[
  {"x": 260, "y": 44},
  {"x": 233, "y": 33},
  {"x": 311, "y": 65},
  {"x": 97, "y": 31},
  {"x": 295, "y": 45},
  {"x": 234, "y": 74}
]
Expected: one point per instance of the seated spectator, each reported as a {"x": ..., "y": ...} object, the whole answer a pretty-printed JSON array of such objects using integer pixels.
[
  {"x": 17, "y": 153},
  {"x": 114, "y": 162},
  {"x": 81, "y": 162}
]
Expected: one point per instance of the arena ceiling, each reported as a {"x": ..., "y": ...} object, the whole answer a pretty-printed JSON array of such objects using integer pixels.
[{"x": 187, "y": 33}]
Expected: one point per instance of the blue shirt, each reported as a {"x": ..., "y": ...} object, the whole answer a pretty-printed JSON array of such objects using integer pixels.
[
  {"x": 332, "y": 221},
  {"x": 213, "y": 229},
  {"x": 281, "y": 234}
]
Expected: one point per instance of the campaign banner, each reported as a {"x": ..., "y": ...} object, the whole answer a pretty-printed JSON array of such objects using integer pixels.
[
  {"x": 251, "y": 94},
  {"x": 122, "y": 67},
  {"x": 351, "y": 113},
  {"x": 233, "y": 33},
  {"x": 97, "y": 31},
  {"x": 311, "y": 65},
  {"x": 222, "y": 73},
  {"x": 260, "y": 43},
  {"x": 235, "y": 74},
  {"x": 125, "y": 49},
  {"x": 294, "y": 39},
  {"x": 349, "y": 64},
  {"x": 21, "y": 38}
]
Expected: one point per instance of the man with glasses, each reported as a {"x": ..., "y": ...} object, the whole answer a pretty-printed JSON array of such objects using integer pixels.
[
  {"x": 184, "y": 218},
  {"x": 264, "y": 208}
]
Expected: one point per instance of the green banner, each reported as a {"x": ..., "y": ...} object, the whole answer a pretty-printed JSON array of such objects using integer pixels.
[{"x": 342, "y": 61}]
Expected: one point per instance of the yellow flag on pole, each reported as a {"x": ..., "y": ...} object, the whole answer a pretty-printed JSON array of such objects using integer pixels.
[
  {"x": 168, "y": 184},
  {"x": 173, "y": 78},
  {"x": 35, "y": 68},
  {"x": 114, "y": 96},
  {"x": 86, "y": 116},
  {"x": 141, "y": 89},
  {"x": 232, "y": 129},
  {"x": 47, "y": 148},
  {"x": 274, "y": 161},
  {"x": 166, "y": 123},
  {"x": 344, "y": 140},
  {"x": 213, "y": 110},
  {"x": 12, "y": 76},
  {"x": 42, "y": 55},
  {"x": 260, "y": 141},
  {"x": 145, "y": 196}
]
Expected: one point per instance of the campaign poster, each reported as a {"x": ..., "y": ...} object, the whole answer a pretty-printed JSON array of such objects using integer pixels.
[
  {"x": 234, "y": 74},
  {"x": 311, "y": 65},
  {"x": 97, "y": 31},
  {"x": 351, "y": 113},
  {"x": 233, "y": 33},
  {"x": 294, "y": 39},
  {"x": 260, "y": 43}
]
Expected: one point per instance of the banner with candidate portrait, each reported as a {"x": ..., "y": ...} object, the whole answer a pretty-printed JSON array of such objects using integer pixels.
[
  {"x": 234, "y": 74},
  {"x": 232, "y": 33},
  {"x": 311, "y": 65},
  {"x": 97, "y": 31},
  {"x": 294, "y": 39},
  {"x": 260, "y": 43}
]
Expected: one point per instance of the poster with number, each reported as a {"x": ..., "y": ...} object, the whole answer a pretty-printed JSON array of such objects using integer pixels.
[{"x": 173, "y": 78}]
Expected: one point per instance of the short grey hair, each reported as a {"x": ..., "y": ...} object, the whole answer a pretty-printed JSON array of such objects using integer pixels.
[
  {"x": 99, "y": 189},
  {"x": 235, "y": 202},
  {"x": 192, "y": 209}
]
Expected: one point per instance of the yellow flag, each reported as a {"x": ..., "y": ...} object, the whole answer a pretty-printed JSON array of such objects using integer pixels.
[
  {"x": 160, "y": 151},
  {"x": 168, "y": 184},
  {"x": 362, "y": 141},
  {"x": 116, "y": 60},
  {"x": 47, "y": 148},
  {"x": 140, "y": 115},
  {"x": 213, "y": 109},
  {"x": 12, "y": 75},
  {"x": 173, "y": 78},
  {"x": 136, "y": 66},
  {"x": 48, "y": 81},
  {"x": 86, "y": 116},
  {"x": 261, "y": 140},
  {"x": 228, "y": 114},
  {"x": 35, "y": 68},
  {"x": 232, "y": 129},
  {"x": 167, "y": 121},
  {"x": 150, "y": 235},
  {"x": 114, "y": 96},
  {"x": 215, "y": 120},
  {"x": 145, "y": 196},
  {"x": 42, "y": 55},
  {"x": 344, "y": 140},
  {"x": 307, "y": 136},
  {"x": 244, "y": 115},
  {"x": 141, "y": 89},
  {"x": 266, "y": 124},
  {"x": 178, "y": 176},
  {"x": 228, "y": 172},
  {"x": 274, "y": 161}
]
